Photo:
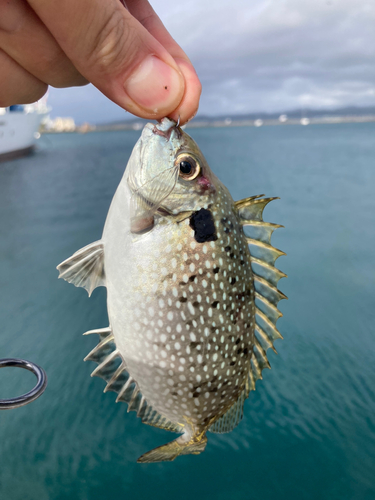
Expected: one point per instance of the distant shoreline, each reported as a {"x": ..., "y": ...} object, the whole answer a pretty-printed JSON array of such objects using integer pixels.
[{"x": 321, "y": 120}]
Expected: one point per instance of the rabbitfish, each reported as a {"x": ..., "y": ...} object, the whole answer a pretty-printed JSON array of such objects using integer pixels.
[{"x": 192, "y": 292}]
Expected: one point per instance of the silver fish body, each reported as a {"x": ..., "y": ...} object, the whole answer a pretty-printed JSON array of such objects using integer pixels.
[{"x": 181, "y": 293}]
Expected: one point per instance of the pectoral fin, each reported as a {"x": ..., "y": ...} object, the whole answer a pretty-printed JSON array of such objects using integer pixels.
[{"x": 85, "y": 268}]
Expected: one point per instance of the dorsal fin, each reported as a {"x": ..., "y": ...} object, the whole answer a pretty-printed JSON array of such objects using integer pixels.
[
  {"x": 85, "y": 268},
  {"x": 112, "y": 368},
  {"x": 266, "y": 277}
]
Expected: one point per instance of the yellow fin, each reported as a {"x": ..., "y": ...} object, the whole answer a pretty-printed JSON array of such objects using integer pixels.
[{"x": 170, "y": 451}]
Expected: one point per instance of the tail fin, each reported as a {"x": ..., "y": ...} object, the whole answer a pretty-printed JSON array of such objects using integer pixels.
[{"x": 172, "y": 450}]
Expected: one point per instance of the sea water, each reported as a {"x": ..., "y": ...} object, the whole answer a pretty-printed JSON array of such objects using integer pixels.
[{"x": 309, "y": 428}]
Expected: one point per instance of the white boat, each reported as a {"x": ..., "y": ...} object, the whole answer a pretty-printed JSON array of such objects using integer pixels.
[{"x": 19, "y": 126}]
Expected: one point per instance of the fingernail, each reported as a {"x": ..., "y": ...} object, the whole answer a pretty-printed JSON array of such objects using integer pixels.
[{"x": 155, "y": 86}]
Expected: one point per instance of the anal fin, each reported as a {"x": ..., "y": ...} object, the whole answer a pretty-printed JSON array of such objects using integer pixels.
[
  {"x": 112, "y": 368},
  {"x": 85, "y": 268}
]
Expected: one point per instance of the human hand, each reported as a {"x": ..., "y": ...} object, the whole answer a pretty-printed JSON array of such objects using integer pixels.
[{"x": 125, "y": 52}]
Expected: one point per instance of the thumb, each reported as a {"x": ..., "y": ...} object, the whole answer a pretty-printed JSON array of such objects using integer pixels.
[{"x": 112, "y": 50}]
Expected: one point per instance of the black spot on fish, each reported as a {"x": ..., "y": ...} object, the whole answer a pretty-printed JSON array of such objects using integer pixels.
[
  {"x": 204, "y": 226},
  {"x": 242, "y": 262},
  {"x": 195, "y": 394},
  {"x": 232, "y": 281},
  {"x": 232, "y": 363},
  {"x": 182, "y": 283},
  {"x": 231, "y": 255},
  {"x": 228, "y": 248},
  {"x": 245, "y": 351},
  {"x": 192, "y": 277},
  {"x": 216, "y": 270},
  {"x": 238, "y": 341},
  {"x": 196, "y": 304},
  {"x": 182, "y": 299},
  {"x": 215, "y": 304}
]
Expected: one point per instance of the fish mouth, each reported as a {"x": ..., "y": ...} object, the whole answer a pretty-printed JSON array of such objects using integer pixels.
[{"x": 166, "y": 128}]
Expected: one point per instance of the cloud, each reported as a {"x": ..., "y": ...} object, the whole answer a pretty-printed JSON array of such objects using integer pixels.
[{"x": 265, "y": 55}]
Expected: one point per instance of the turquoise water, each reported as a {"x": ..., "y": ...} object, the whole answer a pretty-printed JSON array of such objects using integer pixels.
[{"x": 309, "y": 429}]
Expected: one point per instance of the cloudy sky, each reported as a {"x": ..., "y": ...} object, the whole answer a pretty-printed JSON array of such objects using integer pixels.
[{"x": 260, "y": 55}]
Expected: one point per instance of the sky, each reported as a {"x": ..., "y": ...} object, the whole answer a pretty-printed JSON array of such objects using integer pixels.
[{"x": 260, "y": 56}]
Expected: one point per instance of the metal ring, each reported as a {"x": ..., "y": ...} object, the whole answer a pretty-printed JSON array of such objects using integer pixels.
[{"x": 8, "y": 404}]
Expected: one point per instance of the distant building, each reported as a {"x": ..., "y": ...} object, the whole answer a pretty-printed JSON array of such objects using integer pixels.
[
  {"x": 137, "y": 126},
  {"x": 60, "y": 124},
  {"x": 85, "y": 127}
]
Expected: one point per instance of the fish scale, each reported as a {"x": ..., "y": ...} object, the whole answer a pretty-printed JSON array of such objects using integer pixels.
[
  {"x": 191, "y": 292},
  {"x": 197, "y": 326}
]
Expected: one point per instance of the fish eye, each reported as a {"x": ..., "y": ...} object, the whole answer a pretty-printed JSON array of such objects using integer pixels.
[
  {"x": 188, "y": 166},
  {"x": 185, "y": 167}
]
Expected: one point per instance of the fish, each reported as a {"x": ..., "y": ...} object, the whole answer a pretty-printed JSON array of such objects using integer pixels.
[{"x": 192, "y": 292}]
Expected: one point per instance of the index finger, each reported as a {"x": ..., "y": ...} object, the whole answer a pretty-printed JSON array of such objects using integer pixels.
[{"x": 116, "y": 53}]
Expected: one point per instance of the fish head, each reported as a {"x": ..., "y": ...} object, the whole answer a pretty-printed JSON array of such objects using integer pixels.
[{"x": 167, "y": 173}]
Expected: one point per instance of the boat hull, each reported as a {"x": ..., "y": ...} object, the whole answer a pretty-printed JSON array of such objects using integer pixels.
[{"x": 18, "y": 133}]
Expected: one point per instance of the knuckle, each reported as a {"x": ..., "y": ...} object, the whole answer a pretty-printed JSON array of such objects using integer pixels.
[
  {"x": 113, "y": 41},
  {"x": 53, "y": 67}
]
